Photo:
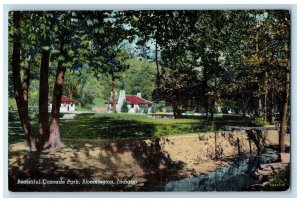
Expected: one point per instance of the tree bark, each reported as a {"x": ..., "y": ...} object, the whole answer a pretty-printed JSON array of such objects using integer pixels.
[
  {"x": 176, "y": 113},
  {"x": 284, "y": 112},
  {"x": 265, "y": 95},
  {"x": 157, "y": 67},
  {"x": 205, "y": 89},
  {"x": 54, "y": 141},
  {"x": 271, "y": 105},
  {"x": 21, "y": 95},
  {"x": 25, "y": 84},
  {"x": 212, "y": 107},
  {"x": 244, "y": 105},
  {"x": 43, "y": 98},
  {"x": 259, "y": 111},
  {"x": 81, "y": 96},
  {"x": 70, "y": 93},
  {"x": 114, "y": 107},
  {"x": 25, "y": 87}
]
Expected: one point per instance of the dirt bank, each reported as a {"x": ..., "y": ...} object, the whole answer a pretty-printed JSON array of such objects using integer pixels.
[{"x": 149, "y": 163}]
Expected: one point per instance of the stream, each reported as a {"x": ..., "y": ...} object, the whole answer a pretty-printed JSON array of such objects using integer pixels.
[{"x": 236, "y": 176}]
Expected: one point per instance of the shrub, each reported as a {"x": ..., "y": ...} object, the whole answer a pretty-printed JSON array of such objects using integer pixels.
[
  {"x": 99, "y": 102},
  {"x": 259, "y": 122},
  {"x": 160, "y": 106},
  {"x": 124, "y": 107},
  {"x": 154, "y": 108},
  {"x": 145, "y": 110}
]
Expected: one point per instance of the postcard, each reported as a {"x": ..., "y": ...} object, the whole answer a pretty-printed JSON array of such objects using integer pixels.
[{"x": 149, "y": 100}]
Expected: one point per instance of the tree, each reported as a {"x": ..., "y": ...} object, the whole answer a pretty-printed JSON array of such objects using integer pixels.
[
  {"x": 124, "y": 107},
  {"x": 73, "y": 83},
  {"x": 44, "y": 74},
  {"x": 139, "y": 77},
  {"x": 21, "y": 94},
  {"x": 157, "y": 33},
  {"x": 109, "y": 55},
  {"x": 194, "y": 58},
  {"x": 178, "y": 89},
  {"x": 64, "y": 37}
]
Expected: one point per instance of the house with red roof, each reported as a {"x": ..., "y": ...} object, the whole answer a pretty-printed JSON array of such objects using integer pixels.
[
  {"x": 135, "y": 103},
  {"x": 67, "y": 104}
]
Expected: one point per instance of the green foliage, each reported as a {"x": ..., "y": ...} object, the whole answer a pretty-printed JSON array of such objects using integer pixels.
[
  {"x": 259, "y": 122},
  {"x": 154, "y": 108},
  {"x": 145, "y": 111},
  {"x": 202, "y": 57},
  {"x": 139, "y": 78},
  {"x": 124, "y": 107},
  {"x": 158, "y": 107},
  {"x": 85, "y": 108},
  {"x": 12, "y": 105},
  {"x": 99, "y": 102},
  {"x": 33, "y": 103}
]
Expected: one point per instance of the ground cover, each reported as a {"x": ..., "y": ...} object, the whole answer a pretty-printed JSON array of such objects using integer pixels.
[{"x": 108, "y": 126}]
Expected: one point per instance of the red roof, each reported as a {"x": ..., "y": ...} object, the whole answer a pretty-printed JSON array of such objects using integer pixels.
[
  {"x": 64, "y": 99},
  {"x": 133, "y": 99}
]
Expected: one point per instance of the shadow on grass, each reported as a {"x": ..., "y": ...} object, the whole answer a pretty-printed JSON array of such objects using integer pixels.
[
  {"x": 149, "y": 166},
  {"x": 92, "y": 126}
]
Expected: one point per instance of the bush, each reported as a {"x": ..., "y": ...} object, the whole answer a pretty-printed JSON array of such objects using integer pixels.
[
  {"x": 160, "y": 106},
  {"x": 145, "y": 111},
  {"x": 12, "y": 105},
  {"x": 99, "y": 102},
  {"x": 154, "y": 108},
  {"x": 259, "y": 122},
  {"x": 124, "y": 107}
]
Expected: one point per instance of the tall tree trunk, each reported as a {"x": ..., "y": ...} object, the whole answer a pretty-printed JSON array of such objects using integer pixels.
[
  {"x": 271, "y": 105},
  {"x": 259, "y": 107},
  {"x": 25, "y": 85},
  {"x": 244, "y": 105},
  {"x": 21, "y": 95},
  {"x": 43, "y": 99},
  {"x": 176, "y": 112},
  {"x": 212, "y": 107},
  {"x": 265, "y": 95},
  {"x": 70, "y": 93},
  {"x": 205, "y": 89},
  {"x": 113, "y": 88},
  {"x": 54, "y": 141},
  {"x": 81, "y": 95},
  {"x": 265, "y": 107},
  {"x": 284, "y": 112},
  {"x": 157, "y": 67}
]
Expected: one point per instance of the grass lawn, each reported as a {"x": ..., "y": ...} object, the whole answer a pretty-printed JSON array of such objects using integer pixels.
[{"x": 109, "y": 126}]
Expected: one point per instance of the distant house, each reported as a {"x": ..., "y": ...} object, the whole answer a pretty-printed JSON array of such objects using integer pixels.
[
  {"x": 135, "y": 103},
  {"x": 67, "y": 104}
]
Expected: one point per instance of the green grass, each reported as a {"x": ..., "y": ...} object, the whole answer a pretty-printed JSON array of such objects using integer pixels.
[
  {"x": 119, "y": 126},
  {"x": 109, "y": 126}
]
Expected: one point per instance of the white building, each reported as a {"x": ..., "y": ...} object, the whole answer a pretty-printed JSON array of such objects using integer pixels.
[
  {"x": 67, "y": 104},
  {"x": 135, "y": 103}
]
